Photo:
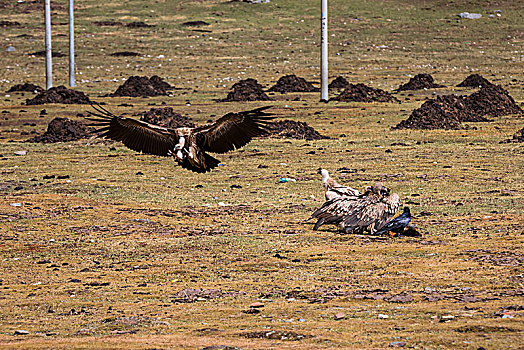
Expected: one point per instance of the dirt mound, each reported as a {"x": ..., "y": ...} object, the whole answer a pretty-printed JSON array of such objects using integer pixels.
[
  {"x": 474, "y": 80},
  {"x": 63, "y": 130},
  {"x": 9, "y": 24},
  {"x": 195, "y": 24},
  {"x": 338, "y": 83},
  {"x": 166, "y": 117},
  {"x": 139, "y": 25},
  {"x": 294, "y": 130},
  {"x": 441, "y": 113},
  {"x": 42, "y": 54},
  {"x": 517, "y": 137},
  {"x": 419, "y": 82},
  {"x": 364, "y": 93},
  {"x": 59, "y": 94},
  {"x": 137, "y": 86},
  {"x": 292, "y": 83},
  {"x": 492, "y": 100},
  {"x": 247, "y": 90},
  {"x": 25, "y": 87},
  {"x": 125, "y": 54},
  {"x": 107, "y": 23}
]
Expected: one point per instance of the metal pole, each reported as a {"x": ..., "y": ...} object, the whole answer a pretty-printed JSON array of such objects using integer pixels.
[
  {"x": 71, "y": 44},
  {"x": 324, "y": 53},
  {"x": 48, "y": 52}
]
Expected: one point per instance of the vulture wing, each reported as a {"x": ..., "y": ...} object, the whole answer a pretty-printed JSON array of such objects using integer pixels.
[
  {"x": 371, "y": 213},
  {"x": 233, "y": 130},
  {"x": 333, "y": 211},
  {"x": 135, "y": 134}
]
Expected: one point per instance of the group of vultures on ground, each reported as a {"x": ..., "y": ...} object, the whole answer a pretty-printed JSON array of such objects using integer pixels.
[{"x": 354, "y": 212}]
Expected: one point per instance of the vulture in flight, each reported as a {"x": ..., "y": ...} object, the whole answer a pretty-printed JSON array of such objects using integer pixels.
[
  {"x": 368, "y": 212},
  {"x": 189, "y": 146},
  {"x": 334, "y": 189}
]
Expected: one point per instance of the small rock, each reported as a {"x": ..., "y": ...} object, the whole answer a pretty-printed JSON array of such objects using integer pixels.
[
  {"x": 382, "y": 316},
  {"x": 21, "y": 332},
  {"x": 10, "y": 49},
  {"x": 340, "y": 316},
  {"x": 397, "y": 344},
  {"x": 20, "y": 153},
  {"x": 468, "y": 15},
  {"x": 15, "y": 204},
  {"x": 256, "y": 305}
]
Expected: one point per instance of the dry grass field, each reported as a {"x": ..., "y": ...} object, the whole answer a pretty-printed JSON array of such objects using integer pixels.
[{"x": 94, "y": 256}]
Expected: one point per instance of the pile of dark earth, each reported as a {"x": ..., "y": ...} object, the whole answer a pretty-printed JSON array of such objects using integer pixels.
[
  {"x": 247, "y": 90},
  {"x": 59, "y": 94},
  {"x": 195, "y": 24},
  {"x": 294, "y": 130},
  {"x": 166, "y": 117},
  {"x": 364, "y": 93},
  {"x": 137, "y": 86},
  {"x": 9, "y": 24},
  {"x": 139, "y": 25},
  {"x": 449, "y": 111},
  {"x": 64, "y": 130},
  {"x": 42, "y": 54},
  {"x": 474, "y": 81},
  {"x": 125, "y": 54},
  {"x": 517, "y": 137},
  {"x": 107, "y": 23},
  {"x": 25, "y": 87},
  {"x": 420, "y": 82},
  {"x": 292, "y": 83},
  {"x": 339, "y": 83}
]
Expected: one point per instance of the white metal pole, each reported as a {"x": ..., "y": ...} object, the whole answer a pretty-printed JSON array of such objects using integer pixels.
[
  {"x": 48, "y": 52},
  {"x": 324, "y": 53},
  {"x": 71, "y": 44}
]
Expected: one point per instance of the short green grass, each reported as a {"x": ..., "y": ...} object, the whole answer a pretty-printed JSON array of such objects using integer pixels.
[{"x": 97, "y": 261}]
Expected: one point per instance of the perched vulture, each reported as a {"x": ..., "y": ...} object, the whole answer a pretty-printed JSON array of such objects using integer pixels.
[
  {"x": 397, "y": 224},
  {"x": 187, "y": 145},
  {"x": 334, "y": 189},
  {"x": 368, "y": 212}
]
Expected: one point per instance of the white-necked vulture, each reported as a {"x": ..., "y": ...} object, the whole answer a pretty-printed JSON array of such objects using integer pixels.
[
  {"x": 187, "y": 145},
  {"x": 334, "y": 189},
  {"x": 368, "y": 212}
]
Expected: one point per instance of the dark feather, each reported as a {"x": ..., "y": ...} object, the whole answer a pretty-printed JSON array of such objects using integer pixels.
[{"x": 397, "y": 224}]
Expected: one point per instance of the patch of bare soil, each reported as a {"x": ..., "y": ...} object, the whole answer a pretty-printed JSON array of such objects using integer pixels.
[
  {"x": 166, "y": 117},
  {"x": 137, "y": 86},
  {"x": 9, "y": 24},
  {"x": 190, "y": 295},
  {"x": 277, "y": 335},
  {"x": 42, "y": 54},
  {"x": 419, "y": 82},
  {"x": 25, "y": 87},
  {"x": 364, "y": 93},
  {"x": 63, "y": 130},
  {"x": 59, "y": 94},
  {"x": 139, "y": 25},
  {"x": 492, "y": 100},
  {"x": 294, "y": 130},
  {"x": 125, "y": 54},
  {"x": 195, "y": 24},
  {"x": 292, "y": 83},
  {"x": 339, "y": 83},
  {"x": 517, "y": 137},
  {"x": 474, "y": 81},
  {"x": 247, "y": 90},
  {"x": 107, "y": 23}
]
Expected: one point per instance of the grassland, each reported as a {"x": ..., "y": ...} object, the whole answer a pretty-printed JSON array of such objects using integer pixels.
[{"x": 110, "y": 259}]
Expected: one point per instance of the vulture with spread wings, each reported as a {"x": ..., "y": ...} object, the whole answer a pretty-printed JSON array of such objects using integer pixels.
[
  {"x": 368, "y": 212},
  {"x": 187, "y": 145}
]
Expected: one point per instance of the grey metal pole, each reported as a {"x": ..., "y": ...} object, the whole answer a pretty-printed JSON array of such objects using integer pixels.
[
  {"x": 71, "y": 44},
  {"x": 324, "y": 53},
  {"x": 48, "y": 51}
]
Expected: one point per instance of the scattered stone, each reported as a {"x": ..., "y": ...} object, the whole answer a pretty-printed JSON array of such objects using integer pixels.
[
  {"x": 277, "y": 335},
  {"x": 59, "y": 94},
  {"x": 247, "y": 90},
  {"x": 25, "y": 87},
  {"x": 256, "y": 305},
  {"x": 339, "y": 316},
  {"x": 20, "y": 153},
  {"x": 467, "y": 15},
  {"x": 166, "y": 117},
  {"x": 292, "y": 83},
  {"x": 419, "y": 82},
  {"x": 397, "y": 344},
  {"x": 364, "y": 93},
  {"x": 382, "y": 316},
  {"x": 15, "y": 204},
  {"x": 517, "y": 137},
  {"x": 10, "y": 49},
  {"x": 190, "y": 295},
  {"x": 137, "y": 86},
  {"x": 125, "y": 54},
  {"x": 294, "y": 130},
  {"x": 21, "y": 332},
  {"x": 400, "y": 298},
  {"x": 474, "y": 81},
  {"x": 339, "y": 83},
  {"x": 64, "y": 130}
]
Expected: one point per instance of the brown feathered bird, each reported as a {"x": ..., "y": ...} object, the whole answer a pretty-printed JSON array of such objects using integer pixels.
[
  {"x": 189, "y": 146},
  {"x": 368, "y": 212},
  {"x": 333, "y": 188}
]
